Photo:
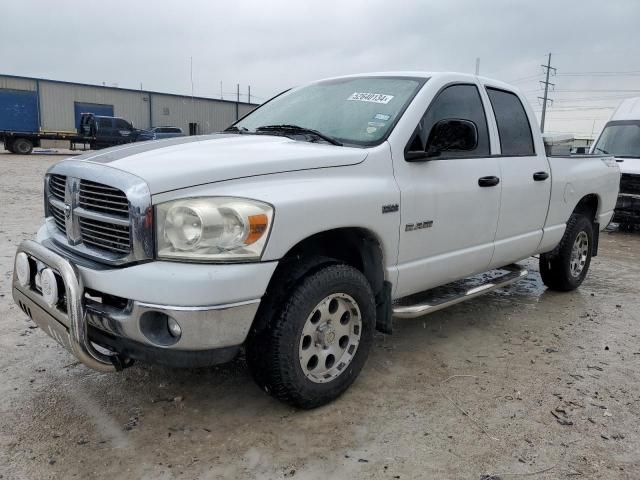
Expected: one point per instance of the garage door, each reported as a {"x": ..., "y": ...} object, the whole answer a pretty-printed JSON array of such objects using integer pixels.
[
  {"x": 18, "y": 110},
  {"x": 95, "y": 108}
]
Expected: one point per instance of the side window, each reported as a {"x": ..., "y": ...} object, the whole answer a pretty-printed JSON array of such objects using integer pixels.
[
  {"x": 121, "y": 124},
  {"x": 455, "y": 102},
  {"x": 513, "y": 124},
  {"x": 104, "y": 123}
]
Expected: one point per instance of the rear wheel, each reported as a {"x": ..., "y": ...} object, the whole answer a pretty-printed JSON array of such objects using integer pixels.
[
  {"x": 566, "y": 267},
  {"x": 316, "y": 344},
  {"x": 22, "y": 146}
]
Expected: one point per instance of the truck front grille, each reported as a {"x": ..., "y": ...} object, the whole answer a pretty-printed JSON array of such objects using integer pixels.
[
  {"x": 57, "y": 185},
  {"x": 103, "y": 198},
  {"x": 105, "y": 235},
  {"x": 58, "y": 216},
  {"x": 95, "y": 213},
  {"x": 630, "y": 183}
]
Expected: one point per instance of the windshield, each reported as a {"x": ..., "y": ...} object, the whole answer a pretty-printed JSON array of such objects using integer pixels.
[
  {"x": 621, "y": 139},
  {"x": 357, "y": 110}
]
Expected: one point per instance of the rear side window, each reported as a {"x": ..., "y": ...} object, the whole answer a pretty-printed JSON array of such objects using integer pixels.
[
  {"x": 459, "y": 102},
  {"x": 122, "y": 124},
  {"x": 104, "y": 123},
  {"x": 513, "y": 123}
]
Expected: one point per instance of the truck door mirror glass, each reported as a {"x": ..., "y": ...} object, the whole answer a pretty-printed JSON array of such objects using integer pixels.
[{"x": 451, "y": 135}]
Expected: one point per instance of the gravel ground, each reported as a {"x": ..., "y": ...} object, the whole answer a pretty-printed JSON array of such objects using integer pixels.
[{"x": 520, "y": 382}]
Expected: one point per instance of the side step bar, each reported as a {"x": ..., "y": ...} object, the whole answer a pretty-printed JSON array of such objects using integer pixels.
[{"x": 515, "y": 273}]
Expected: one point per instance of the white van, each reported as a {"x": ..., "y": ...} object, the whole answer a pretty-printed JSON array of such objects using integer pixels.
[{"x": 620, "y": 137}]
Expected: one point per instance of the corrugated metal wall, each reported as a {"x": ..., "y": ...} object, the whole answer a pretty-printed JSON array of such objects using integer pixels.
[
  {"x": 57, "y": 104},
  {"x": 17, "y": 83},
  {"x": 143, "y": 109},
  {"x": 210, "y": 115}
]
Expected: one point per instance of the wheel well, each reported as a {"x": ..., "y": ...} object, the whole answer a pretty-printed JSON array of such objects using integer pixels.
[
  {"x": 588, "y": 206},
  {"x": 354, "y": 246}
]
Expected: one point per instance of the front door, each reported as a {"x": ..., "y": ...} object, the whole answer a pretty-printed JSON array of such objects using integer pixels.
[{"x": 449, "y": 203}]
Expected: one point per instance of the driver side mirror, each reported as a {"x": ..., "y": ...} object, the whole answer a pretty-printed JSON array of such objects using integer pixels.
[{"x": 447, "y": 135}]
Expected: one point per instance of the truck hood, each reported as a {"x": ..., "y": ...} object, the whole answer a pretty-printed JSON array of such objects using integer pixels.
[
  {"x": 629, "y": 165},
  {"x": 181, "y": 162}
]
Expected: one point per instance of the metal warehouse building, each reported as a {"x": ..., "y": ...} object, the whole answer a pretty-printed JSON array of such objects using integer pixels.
[{"x": 36, "y": 104}]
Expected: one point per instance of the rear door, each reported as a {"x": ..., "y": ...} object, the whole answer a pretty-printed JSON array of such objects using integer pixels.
[
  {"x": 448, "y": 218},
  {"x": 105, "y": 131},
  {"x": 525, "y": 177},
  {"x": 123, "y": 130}
]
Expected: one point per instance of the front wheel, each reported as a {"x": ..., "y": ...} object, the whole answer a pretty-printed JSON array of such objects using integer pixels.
[
  {"x": 565, "y": 268},
  {"x": 316, "y": 344}
]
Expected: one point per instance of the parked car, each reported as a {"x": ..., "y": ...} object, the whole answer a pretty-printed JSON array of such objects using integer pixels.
[
  {"x": 620, "y": 137},
  {"x": 167, "y": 132},
  {"x": 305, "y": 226}
]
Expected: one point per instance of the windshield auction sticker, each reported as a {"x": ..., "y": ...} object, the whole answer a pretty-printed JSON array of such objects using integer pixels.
[{"x": 371, "y": 97}]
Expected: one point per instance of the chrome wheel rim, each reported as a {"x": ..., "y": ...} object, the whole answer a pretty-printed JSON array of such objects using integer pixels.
[
  {"x": 579, "y": 254},
  {"x": 330, "y": 338}
]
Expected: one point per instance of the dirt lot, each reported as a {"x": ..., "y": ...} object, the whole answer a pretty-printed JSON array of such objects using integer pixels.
[{"x": 520, "y": 382}]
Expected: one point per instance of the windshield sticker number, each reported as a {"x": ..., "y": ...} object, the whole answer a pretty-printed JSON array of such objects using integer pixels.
[
  {"x": 382, "y": 116},
  {"x": 371, "y": 97}
]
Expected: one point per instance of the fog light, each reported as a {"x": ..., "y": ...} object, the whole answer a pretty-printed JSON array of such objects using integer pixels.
[
  {"x": 23, "y": 269},
  {"x": 174, "y": 328},
  {"x": 49, "y": 286}
]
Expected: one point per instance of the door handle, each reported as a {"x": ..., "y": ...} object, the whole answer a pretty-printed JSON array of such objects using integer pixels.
[
  {"x": 540, "y": 176},
  {"x": 488, "y": 181}
]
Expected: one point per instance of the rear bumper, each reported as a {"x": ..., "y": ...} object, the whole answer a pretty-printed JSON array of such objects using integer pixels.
[
  {"x": 627, "y": 208},
  {"x": 102, "y": 333}
]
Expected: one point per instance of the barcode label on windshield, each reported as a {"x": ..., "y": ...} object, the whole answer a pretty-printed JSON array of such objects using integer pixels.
[{"x": 371, "y": 97}]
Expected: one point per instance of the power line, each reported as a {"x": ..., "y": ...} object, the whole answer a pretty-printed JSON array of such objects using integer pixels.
[
  {"x": 599, "y": 74},
  {"x": 548, "y": 68}
]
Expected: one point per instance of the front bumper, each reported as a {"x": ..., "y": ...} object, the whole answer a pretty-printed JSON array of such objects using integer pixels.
[
  {"x": 102, "y": 330},
  {"x": 627, "y": 209}
]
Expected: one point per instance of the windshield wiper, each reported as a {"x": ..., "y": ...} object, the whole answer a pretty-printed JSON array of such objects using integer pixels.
[
  {"x": 293, "y": 129},
  {"x": 233, "y": 128}
]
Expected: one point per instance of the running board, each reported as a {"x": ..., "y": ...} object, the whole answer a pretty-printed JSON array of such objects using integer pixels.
[{"x": 516, "y": 272}]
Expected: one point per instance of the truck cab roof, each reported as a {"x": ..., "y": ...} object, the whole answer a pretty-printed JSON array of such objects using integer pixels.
[{"x": 629, "y": 109}]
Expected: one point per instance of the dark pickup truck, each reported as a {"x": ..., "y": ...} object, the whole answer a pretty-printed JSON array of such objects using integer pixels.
[{"x": 94, "y": 130}]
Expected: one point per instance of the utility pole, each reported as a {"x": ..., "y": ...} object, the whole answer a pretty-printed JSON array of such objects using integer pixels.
[
  {"x": 477, "y": 66},
  {"x": 237, "y": 101},
  {"x": 248, "y": 93},
  {"x": 548, "y": 68}
]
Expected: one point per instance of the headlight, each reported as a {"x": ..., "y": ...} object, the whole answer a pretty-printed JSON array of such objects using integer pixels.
[{"x": 214, "y": 229}]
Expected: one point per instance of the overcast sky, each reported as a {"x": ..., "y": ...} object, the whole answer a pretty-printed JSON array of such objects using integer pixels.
[{"x": 272, "y": 45}]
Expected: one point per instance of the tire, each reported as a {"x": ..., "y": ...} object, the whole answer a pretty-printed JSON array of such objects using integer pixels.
[
  {"x": 22, "y": 146},
  {"x": 565, "y": 268},
  {"x": 311, "y": 322}
]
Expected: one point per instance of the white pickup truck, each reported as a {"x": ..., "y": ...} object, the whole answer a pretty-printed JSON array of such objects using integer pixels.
[{"x": 306, "y": 226}]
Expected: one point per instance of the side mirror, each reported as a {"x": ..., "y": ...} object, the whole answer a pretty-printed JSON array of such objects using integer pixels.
[
  {"x": 451, "y": 135},
  {"x": 448, "y": 135}
]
